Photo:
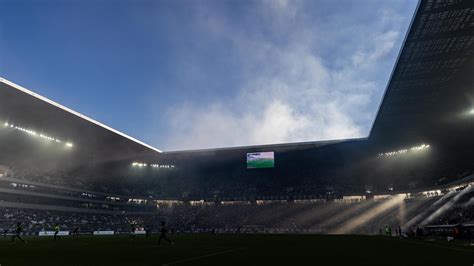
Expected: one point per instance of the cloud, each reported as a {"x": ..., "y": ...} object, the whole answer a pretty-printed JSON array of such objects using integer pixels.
[
  {"x": 297, "y": 88},
  {"x": 385, "y": 43}
]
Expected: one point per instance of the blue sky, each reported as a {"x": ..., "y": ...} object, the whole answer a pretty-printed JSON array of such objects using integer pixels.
[{"x": 200, "y": 74}]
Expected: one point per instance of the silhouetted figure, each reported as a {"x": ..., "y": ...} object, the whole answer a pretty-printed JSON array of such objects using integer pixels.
[
  {"x": 75, "y": 232},
  {"x": 419, "y": 233},
  {"x": 147, "y": 231},
  {"x": 132, "y": 230},
  {"x": 164, "y": 232},
  {"x": 455, "y": 233},
  {"x": 56, "y": 232},
  {"x": 388, "y": 230},
  {"x": 18, "y": 231}
]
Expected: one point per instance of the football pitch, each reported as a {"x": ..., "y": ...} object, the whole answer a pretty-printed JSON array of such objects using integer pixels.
[{"x": 202, "y": 249}]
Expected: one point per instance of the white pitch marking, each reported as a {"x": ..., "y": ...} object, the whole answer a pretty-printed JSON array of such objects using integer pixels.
[
  {"x": 203, "y": 256},
  {"x": 434, "y": 245}
]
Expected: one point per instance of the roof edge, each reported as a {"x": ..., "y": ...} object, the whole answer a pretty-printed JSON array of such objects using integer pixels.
[
  {"x": 394, "y": 67},
  {"x": 64, "y": 108},
  {"x": 270, "y": 146}
]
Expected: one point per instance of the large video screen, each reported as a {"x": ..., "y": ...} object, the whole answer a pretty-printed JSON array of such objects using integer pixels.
[{"x": 260, "y": 160}]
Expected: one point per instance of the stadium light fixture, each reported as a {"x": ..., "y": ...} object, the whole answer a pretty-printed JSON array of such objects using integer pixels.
[
  {"x": 154, "y": 165},
  {"x": 402, "y": 151},
  {"x": 137, "y": 164},
  {"x": 35, "y": 134}
]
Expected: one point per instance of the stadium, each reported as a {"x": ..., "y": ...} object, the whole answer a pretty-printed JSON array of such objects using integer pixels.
[{"x": 403, "y": 195}]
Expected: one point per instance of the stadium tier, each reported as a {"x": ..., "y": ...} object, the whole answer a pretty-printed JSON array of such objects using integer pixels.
[{"x": 447, "y": 207}]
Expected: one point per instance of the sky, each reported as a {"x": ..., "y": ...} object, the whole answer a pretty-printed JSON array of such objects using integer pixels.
[{"x": 193, "y": 74}]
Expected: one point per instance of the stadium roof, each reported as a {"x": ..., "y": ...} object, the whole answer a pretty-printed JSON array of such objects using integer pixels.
[
  {"x": 79, "y": 115},
  {"x": 436, "y": 55},
  {"x": 430, "y": 90}
]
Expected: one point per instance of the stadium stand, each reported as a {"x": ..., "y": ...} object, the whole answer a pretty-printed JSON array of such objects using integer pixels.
[{"x": 349, "y": 215}]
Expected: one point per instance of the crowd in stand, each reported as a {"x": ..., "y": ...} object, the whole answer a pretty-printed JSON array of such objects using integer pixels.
[
  {"x": 319, "y": 217},
  {"x": 282, "y": 213},
  {"x": 457, "y": 215},
  {"x": 461, "y": 211},
  {"x": 39, "y": 220},
  {"x": 209, "y": 187}
]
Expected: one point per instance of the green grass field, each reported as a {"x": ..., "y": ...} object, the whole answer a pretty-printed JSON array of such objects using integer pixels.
[
  {"x": 235, "y": 250},
  {"x": 261, "y": 163}
]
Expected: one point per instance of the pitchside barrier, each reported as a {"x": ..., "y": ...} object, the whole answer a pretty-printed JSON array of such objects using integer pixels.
[
  {"x": 51, "y": 233},
  {"x": 23, "y": 234},
  {"x": 103, "y": 233},
  {"x": 197, "y": 230},
  {"x": 96, "y": 233}
]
